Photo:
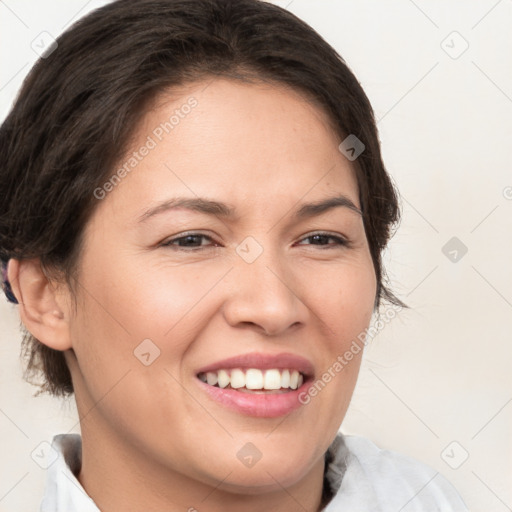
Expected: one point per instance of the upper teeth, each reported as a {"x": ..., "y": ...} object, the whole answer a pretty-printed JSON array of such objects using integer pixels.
[{"x": 252, "y": 378}]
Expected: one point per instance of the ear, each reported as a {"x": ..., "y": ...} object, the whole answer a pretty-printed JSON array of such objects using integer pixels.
[{"x": 43, "y": 304}]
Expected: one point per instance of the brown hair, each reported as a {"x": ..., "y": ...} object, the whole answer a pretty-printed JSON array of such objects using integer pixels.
[{"x": 79, "y": 105}]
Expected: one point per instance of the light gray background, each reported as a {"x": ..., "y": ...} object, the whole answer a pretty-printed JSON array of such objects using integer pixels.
[{"x": 435, "y": 383}]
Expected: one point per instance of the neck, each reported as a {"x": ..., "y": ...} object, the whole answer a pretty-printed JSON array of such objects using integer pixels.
[{"x": 119, "y": 476}]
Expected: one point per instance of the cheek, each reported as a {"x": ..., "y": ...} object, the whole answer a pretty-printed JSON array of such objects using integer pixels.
[
  {"x": 168, "y": 301},
  {"x": 345, "y": 300},
  {"x": 345, "y": 306},
  {"x": 143, "y": 302},
  {"x": 124, "y": 304}
]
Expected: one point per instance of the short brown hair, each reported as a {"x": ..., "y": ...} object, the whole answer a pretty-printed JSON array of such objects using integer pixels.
[{"x": 79, "y": 105}]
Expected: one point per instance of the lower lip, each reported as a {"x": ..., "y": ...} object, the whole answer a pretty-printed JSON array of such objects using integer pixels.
[{"x": 259, "y": 405}]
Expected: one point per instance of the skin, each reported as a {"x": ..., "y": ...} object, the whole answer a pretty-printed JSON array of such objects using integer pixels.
[{"x": 150, "y": 431}]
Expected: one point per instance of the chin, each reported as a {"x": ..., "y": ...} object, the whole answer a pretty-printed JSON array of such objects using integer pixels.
[
  {"x": 264, "y": 480},
  {"x": 267, "y": 474}
]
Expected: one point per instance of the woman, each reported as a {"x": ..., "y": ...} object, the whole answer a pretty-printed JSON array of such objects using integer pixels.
[{"x": 195, "y": 212}]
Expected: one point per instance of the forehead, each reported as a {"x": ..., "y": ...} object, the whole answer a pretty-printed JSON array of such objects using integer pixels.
[{"x": 243, "y": 143}]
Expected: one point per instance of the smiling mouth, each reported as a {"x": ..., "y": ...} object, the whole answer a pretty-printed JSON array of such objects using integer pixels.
[{"x": 254, "y": 380}]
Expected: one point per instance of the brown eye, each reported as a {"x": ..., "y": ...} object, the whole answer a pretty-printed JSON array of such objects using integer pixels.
[
  {"x": 192, "y": 241},
  {"x": 322, "y": 239}
]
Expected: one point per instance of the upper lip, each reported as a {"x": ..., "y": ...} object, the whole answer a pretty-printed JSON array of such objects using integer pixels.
[{"x": 262, "y": 361}]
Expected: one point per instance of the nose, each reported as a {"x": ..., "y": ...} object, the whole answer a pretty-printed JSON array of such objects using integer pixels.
[{"x": 265, "y": 295}]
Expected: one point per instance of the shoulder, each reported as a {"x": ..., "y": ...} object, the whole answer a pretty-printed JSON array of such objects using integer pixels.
[{"x": 384, "y": 480}]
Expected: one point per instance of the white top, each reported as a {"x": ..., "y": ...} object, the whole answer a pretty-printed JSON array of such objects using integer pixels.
[{"x": 362, "y": 477}]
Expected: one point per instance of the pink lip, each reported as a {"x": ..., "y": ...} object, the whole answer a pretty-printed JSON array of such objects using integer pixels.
[
  {"x": 264, "y": 362},
  {"x": 259, "y": 405}
]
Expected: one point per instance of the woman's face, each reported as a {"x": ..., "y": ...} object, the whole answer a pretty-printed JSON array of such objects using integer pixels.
[{"x": 167, "y": 293}]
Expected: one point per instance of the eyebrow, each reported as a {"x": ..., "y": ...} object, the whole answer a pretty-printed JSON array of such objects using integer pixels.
[
  {"x": 217, "y": 208},
  {"x": 319, "y": 207}
]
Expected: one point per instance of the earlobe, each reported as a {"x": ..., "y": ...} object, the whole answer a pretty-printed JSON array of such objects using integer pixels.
[{"x": 43, "y": 310}]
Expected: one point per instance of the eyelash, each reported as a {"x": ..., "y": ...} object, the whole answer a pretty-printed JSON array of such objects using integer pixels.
[{"x": 340, "y": 242}]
